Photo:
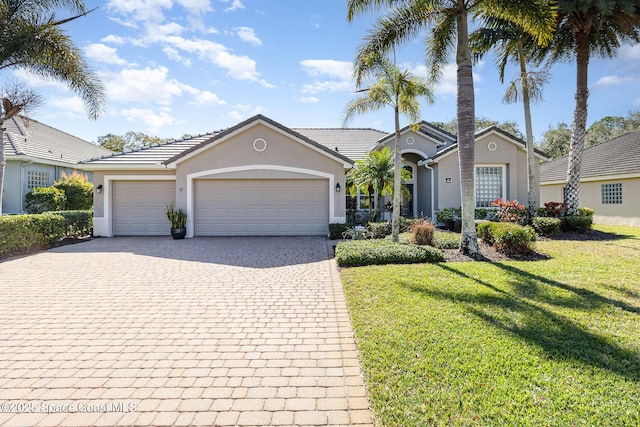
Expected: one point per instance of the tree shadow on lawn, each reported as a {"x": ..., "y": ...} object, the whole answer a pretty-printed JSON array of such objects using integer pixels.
[{"x": 558, "y": 336}]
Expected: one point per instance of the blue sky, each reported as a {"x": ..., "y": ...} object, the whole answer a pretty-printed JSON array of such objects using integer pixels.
[{"x": 172, "y": 67}]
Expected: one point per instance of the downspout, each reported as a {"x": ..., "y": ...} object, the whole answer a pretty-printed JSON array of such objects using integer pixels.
[{"x": 433, "y": 204}]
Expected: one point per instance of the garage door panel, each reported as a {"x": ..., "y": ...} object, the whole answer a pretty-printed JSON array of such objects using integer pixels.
[
  {"x": 139, "y": 207},
  {"x": 261, "y": 207}
]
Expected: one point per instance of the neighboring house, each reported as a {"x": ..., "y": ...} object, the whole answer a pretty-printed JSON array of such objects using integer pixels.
[
  {"x": 262, "y": 178},
  {"x": 609, "y": 180},
  {"x": 36, "y": 156}
]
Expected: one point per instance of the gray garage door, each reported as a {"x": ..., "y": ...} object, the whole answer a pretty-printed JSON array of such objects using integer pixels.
[
  {"x": 138, "y": 207},
  {"x": 270, "y": 207}
]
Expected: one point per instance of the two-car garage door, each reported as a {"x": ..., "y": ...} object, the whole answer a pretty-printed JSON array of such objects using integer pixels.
[
  {"x": 226, "y": 207},
  {"x": 269, "y": 207}
]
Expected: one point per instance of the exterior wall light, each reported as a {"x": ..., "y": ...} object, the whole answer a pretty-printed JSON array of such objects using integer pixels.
[
  {"x": 99, "y": 189},
  {"x": 337, "y": 187}
]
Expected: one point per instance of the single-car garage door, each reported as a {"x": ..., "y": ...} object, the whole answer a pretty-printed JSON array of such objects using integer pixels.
[
  {"x": 139, "y": 207},
  {"x": 269, "y": 207}
]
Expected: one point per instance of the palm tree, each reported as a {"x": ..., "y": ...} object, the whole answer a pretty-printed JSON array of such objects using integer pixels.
[
  {"x": 511, "y": 42},
  {"x": 448, "y": 22},
  {"x": 32, "y": 38},
  {"x": 375, "y": 175},
  {"x": 585, "y": 28},
  {"x": 399, "y": 90}
]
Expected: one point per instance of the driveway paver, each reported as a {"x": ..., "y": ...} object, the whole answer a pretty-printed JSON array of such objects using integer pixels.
[{"x": 204, "y": 331}]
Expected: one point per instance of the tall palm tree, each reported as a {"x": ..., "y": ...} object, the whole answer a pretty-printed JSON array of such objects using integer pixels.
[
  {"x": 447, "y": 23},
  {"x": 391, "y": 88},
  {"x": 32, "y": 38},
  {"x": 373, "y": 175},
  {"x": 586, "y": 28},
  {"x": 511, "y": 43}
]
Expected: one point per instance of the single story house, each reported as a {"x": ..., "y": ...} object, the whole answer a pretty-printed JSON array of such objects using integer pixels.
[
  {"x": 260, "y": 177},
  {"x": 609, "y": 180},
  {"x": 36, "y": 156}
]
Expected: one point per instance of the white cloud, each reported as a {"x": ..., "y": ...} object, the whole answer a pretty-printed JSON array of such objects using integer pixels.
[
  {"x": 153, "y": 120},
  {"x": 148, "y": 85},
  {"x": 174, "y": 55},
  {"x": 607, "y": 81},
  {"x": 196, "y": 6},
  {"x": 628, "y": 52},
  {"x": 103, "y": 53},
  {"x": 248, "y": 35},
  {"x": 207, "y": 97},
  {"x": 142, "y": 10},
  {"x": 113, "y": 39},
  {"x": 238, "y": 67},
  {"x": 327, "y": 86},
  {"x": 235, "y": 5},
  {"x": 342, "y": 70},
  {"x": 309, "y": 99},
  {"x": 33, "y": 80},
  {"x": 243, "y": 111},
  {"x": 68, "y": 106}
]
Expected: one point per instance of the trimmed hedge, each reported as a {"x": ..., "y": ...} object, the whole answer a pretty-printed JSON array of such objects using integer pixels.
[
  {"x": 336, "y": 230},
  {"x": 577, "y": 223},
  {"x": 546, "y": 226},
  {"x": 22, "y": 233},
  {"x": 381, "y": 251},
  {"x": 380, "y": 230},
  {"x": 508, "y": 238}
]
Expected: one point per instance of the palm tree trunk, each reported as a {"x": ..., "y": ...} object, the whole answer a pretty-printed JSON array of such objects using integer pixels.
[
  {"x": 466, "y": 135},
  {"x": 531, "y": 160},
  {"x": 578, "y": 130},
  {"x": 397, "y": 177}
]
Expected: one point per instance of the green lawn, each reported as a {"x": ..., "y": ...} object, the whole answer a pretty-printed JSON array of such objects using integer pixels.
[{"x": 518, "y": 343}]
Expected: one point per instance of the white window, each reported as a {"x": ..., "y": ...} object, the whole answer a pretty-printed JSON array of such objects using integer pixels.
[
  {"x": 490, "y": 184},
  {"x": 612, "y": 194},
  {"x": 37, "y": 179},
  {"x": 360, "y": 201}
]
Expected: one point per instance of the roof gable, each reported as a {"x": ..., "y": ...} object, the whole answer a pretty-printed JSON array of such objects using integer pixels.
[
  {"x": 253, "y": 121},
  {"x": 618, "y": 156}
]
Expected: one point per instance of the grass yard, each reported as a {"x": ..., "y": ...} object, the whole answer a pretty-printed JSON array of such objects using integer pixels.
[{"x": 514, "y": 343}]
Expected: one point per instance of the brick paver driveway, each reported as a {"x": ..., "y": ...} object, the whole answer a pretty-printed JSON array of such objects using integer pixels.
[{"x": 152, "y": 331}]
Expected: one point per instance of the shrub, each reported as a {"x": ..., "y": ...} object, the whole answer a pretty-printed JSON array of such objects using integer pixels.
[
  {"x": 448, "y": 215},
  {"x": 19, "y": 233},
  {"x": 336, "y": 230},
  {"x": 586, "y": 212},
  {"x": 580, "y": 224},
  {"x": 379, "y": 230},
  {"x": 382, "y": 251},
  {"x": 358, "y": 232},
  {"x": 77, "y": 189},
  {"x": 508, "y": 238},
  {"x": 510, "y": 211},
  {"x": 422, "y": 232},
  {"x": 554, "y": 209},
  {"x": 546, "y": 226},
  {"x": 446, "y": 240},
  {"x": 481, "y": 213},
  {"x": 77, "y": 223},
  {"x": 43, "y": 199}
]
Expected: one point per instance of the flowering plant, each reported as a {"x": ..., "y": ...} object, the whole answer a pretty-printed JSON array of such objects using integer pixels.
[{"x": 510, "y": 211}]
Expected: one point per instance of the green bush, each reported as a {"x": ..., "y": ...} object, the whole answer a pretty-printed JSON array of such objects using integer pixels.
[
  {"x": 422, "y": 232},
  {"x": 586, "y": 212},
  {"x": 577, "y": 223},
  {"x": 508, "y": 238},
  {"x": 382, "y": 251},
  {"x": 77, "y": 223},
  {"x": 443, "y": 216},
  {"x": 19, "y": 233},
  {"x": 77, "y": 189},
  {"x": 446, "y": 240},
  {"x": 336, "y": 230},
  {"x": 546, "y": 226},
  {"x": 44, "y": 199},
  {"x": 379, "y": 230},
  {"x": 481, "y": 213}
]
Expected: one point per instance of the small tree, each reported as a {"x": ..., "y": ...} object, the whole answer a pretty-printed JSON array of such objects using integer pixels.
[
  {"x": 78, "y": 189},
  {"x": 44, "y": 199}
]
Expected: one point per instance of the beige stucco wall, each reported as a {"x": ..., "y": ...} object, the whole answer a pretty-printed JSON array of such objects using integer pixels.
[
  {"x": 626, "y": 213},
  {"x": 505, "y": 153},
  {"x": 281, "y": 150}
]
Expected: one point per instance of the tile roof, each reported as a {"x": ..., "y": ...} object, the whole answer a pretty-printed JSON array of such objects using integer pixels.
[
  {"x": 617, "y": 156},
  {"x": 153, "y": 155},
  {"x": 28, "y": 137},
  {"x": 353, "y": 143}
]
